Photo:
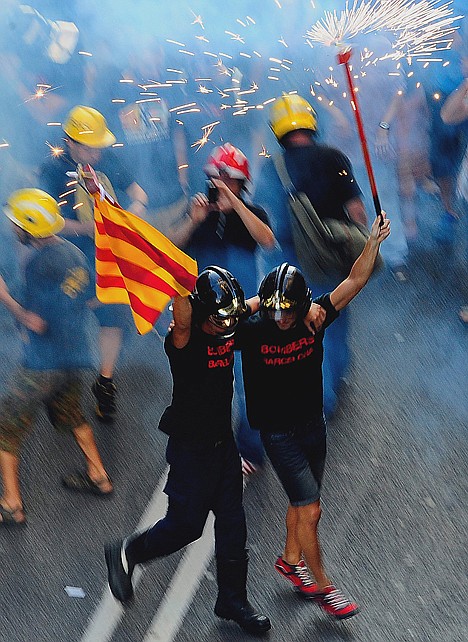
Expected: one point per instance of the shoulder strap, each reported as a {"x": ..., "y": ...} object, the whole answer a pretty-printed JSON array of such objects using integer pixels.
[
  {"x": 281, "y": 170},
  {"x": 300, "y": 203}
]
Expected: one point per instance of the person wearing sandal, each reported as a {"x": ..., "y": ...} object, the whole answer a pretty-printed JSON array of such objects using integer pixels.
[{"x": 55, "y": 349}]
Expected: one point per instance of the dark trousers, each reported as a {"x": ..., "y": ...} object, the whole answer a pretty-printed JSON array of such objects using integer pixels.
[{"x": 201, "y": 479}]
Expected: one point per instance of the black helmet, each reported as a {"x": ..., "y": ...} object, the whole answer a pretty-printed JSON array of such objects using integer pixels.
[
  {"x": 218, "y": 295},
  {"x": 284, "y": 290}
]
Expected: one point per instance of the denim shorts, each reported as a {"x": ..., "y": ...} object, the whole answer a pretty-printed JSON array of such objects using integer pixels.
[{"x": 298, "y": 457}]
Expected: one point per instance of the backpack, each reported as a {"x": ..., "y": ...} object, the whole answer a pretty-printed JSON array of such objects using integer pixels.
[{"x": 326, "y": 248}]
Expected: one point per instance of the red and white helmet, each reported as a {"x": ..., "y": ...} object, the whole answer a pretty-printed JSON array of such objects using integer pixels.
[{"x": 228, "y": 159}]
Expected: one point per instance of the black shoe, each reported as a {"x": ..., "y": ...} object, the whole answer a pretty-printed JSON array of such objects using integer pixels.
[
  {"x": 245, "y": 616},
  {"x": 105, "y": 392},
  {"x": 119, "y": 571}
]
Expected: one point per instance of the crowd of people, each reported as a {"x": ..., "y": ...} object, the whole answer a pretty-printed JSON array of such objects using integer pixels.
[{"x": 155, "y": 130}]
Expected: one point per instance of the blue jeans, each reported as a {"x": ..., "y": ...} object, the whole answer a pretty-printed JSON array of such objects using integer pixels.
[
  {"x": 298, "y": 457},
  {"x": 201, "y": 479}
]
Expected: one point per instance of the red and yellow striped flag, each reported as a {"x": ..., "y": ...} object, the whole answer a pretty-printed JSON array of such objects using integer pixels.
[{"x": 137, "y": 265}]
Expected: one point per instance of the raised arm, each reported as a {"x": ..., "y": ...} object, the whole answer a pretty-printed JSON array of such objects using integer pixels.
[
  {"x": 182, "y": 313},
  {"x": 258, "y": 230},
  {"x": 363, "y": 266}
]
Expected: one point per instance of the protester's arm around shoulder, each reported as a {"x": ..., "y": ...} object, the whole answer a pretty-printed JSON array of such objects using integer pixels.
[
  {"x": 315, "y": 318},
  {"x": 30, "y": 320},
  {"x": 181, "y": 329},
  {"x": 363, "y": 266}
]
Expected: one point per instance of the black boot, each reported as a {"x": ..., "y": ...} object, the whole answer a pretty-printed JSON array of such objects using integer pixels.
[{"x": 232, "y": 602}]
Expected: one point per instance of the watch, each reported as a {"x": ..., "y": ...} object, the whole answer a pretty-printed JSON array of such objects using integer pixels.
[{"x": 384, "y": 125}]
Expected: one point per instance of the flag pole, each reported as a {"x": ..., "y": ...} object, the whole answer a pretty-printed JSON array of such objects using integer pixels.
[
  {"x": 343, "y": 59},
  {"x": 88, "y": 177}
]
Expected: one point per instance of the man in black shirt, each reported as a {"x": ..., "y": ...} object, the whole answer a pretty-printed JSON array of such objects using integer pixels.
[
  {"x": 326, "y": 176},
  {"x": 228, "y": 232},
  {"x": 282, "y": 357},
  {"x": 205, "y": 472}
]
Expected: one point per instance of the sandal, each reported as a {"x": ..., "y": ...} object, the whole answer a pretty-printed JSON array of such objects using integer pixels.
[
  {"x": 82, "y": 483},
  {"x": 8, "y": 516}
]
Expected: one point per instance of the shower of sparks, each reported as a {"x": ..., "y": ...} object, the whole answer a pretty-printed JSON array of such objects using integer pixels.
[
  {"x": 198, "y": 20},
  {"x": 207, "y": 131},
  {"x": 55, "y": 151},
  {"x": 235, "y": 36},
  {"x": 41, "y": 91},
  {"x": 419, "y": 27}
]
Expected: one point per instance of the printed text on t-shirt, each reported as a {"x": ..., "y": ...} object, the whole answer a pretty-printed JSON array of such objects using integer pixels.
[
  {"x": 224, "y": 353},
  {"x": 296, "y": 351}
]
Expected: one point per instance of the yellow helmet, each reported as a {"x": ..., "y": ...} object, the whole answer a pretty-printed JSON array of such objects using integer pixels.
[
  {"x": 291, "y": 112},
  {"x": 88, "y": 126},
  {"x": 35, "y": 212}
]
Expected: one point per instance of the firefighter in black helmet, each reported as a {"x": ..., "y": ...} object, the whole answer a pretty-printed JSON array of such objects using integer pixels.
[
  {"x": 205, "y": 471},
  {"x": 282, "y": 366}
]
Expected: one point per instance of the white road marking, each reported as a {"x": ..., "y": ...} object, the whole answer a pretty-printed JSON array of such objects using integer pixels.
[
  {"x": 182, "y": 588},
  {"x": 179, "y": 593},
  {"x": 109, "y": 612}
]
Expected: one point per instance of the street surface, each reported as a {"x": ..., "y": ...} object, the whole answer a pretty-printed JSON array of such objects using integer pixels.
[{"x": 394, "y": 499}]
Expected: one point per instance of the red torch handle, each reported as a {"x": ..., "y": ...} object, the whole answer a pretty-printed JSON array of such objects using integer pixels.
[{"x": 343, "y": 59}]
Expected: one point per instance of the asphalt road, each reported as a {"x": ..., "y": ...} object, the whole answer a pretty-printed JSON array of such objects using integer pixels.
[{"x": 394, "y": 521}]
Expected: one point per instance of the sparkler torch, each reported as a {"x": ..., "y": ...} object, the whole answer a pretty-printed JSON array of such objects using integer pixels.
[{"x": 343, "y": 58}]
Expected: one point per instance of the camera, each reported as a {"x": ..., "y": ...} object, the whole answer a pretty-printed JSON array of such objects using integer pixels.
[{"x": 212, "y": 192}]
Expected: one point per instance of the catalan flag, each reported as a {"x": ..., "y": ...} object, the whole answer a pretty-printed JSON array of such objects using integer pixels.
[{"x": 137, "y": 265}]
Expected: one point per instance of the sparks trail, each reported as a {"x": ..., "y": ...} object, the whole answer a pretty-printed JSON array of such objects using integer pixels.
[{"x": 419, "y": 27}]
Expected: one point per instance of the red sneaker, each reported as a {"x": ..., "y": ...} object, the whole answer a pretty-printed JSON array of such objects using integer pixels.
[
  {"x": 335, "y": 603},
  {"x": 298, "y": 574}
]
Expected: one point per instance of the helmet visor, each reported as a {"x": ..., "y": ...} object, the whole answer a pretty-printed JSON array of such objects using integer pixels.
[
  {"x": 282, "y": 315},
  {"x": 235, "y": 308},
  {"x": 226, "y": 323}
]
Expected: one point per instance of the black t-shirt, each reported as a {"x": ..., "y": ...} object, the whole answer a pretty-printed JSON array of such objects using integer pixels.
[
  {"x": 54, "y": 180},
  {"x": 223, "y": 239},
  {"x": 282, "y": 371},
  {"x": 325, "y": 175},
  {"x": 200, "y": 410},
  {"x": 226, "y": 229}
]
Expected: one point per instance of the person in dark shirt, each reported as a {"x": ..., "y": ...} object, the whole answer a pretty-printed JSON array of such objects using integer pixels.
[
  {"x": 229, "y": 232},
  {"x": 326, "y": 176},
  {"x": 205, "y": 472},
  {"x": 52, "y": 315},
  {"x": 87, "y": 139},
  {"x": 281, "y": 356}
]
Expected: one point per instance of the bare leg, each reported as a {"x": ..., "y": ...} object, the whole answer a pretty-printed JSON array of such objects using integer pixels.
[
  {"x": 302, "y": 539},
  {"x": 110, "y": 343},
  {"x": 9, "y": 468},
  {"x": 84, "y": 437}
]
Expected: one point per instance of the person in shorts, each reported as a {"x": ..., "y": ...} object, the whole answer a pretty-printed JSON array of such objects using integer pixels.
[
  {"x": 282, "y": 359},
  {"x": 52, "y": 316}
]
